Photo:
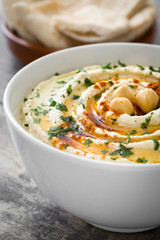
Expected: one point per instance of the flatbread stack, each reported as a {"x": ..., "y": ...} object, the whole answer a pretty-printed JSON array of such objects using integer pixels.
[{"x": 61, "y": 23}]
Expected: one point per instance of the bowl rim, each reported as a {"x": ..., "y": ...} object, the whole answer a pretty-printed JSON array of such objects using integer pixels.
[{"x": 82, "y": 159}]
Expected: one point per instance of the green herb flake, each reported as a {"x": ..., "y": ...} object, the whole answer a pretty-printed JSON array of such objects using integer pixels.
[
  {"x": 81, "y": 70},
  {"x": 25, "y": 99},
  {"x": 68, "y": 119},
  {"x": 116, "y": 75},
  {"x": 56, "y": 74},
  {"x": 37, "y": 95},
  {"x": 121, "y": 64},
  {"x": 128, "y": 139},
  {"x": 145, "y": 133},
  {"x": 141, "y": 67},
  {"x": 26, "y": 125},
  {"x": 133, "y": 114},
  {"x": 97, "y": 97},
  {"x": 153, "y": 69},
  {"x": 104, "y": 152},
  {"x": 36, "y": 120},
  {"x": 63, "y": 95},
  {"x": 141, "y": 160},
  {"x": 144, "y": 125},
  {"x": 122, "y": 151},
  {"x": 58, "y": 131},
  {"x": 69, "y": 89},
  {"x": 76, "y": 97},
  {"x": 132, "y": 132},
  {"x": 156, "y": 144},
  {"x": 107, "y": 141},
  {"x": 79, "y": 81},
  {"x": 114, "y": 120},
  {"x": 131, "y": 86},
  {"x": 65, "y": 146},
  {"x": 111, "y": 82},
  {"x": 113, "y": 158},
  {"x": 26, "y": 113},
  {"x": 52, "y": 102},
  {"x": 61, "y": 107},
  {"x": 87, "y": 142},
  {"x": 61, "y": 82},
  {"x": 115, "y": 87},
  {"x": 88, "y": 82},
  {"x": 106, "y": 66}
]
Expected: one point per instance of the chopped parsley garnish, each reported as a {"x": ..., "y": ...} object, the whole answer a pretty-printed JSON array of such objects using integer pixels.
[
  {"x": 72, "y": 122},
  {"x": 122, "y": 151},
  {"x": 69, "y": 89},
  {"x": 107, "y": 141},
  {"x": 65, "y": 146},
  {"x": 106, "y": 66},
  {"x": 63, "y": 95},
  {"x": 115, "y": 66},
  {"x": 26, "y": 125},
  {"x": 26, "y": 113},
  {"x": 147, "y": 120},
  {"x": 128, "y": 139},
  {"x": 37, "y": 95},
  {"x": 81, "y": 70},
  {"x": 61, "y": 82},
  {"x": 56, "y": 74},
  {"x": 131, "y": 86},
  {"x": 58, "y": 131},
  {"x": 87, "y": 142},
  {"x": 25, "y": 99},
  {"x": 121, "y": 64},
  {"x": 59, "y": 106},
  {"x": 76, "y": 97},
  {"x": 111, "y": 82},
  {"x": 38, "y": 110},
  {"x": 79, "y": 81},
  {"x": 141, "y": 67},
  {"x": 132, "y": 132},
  {"x": 156, "y": 146},
  {"x": 153, "y": 69},
  {"x": 142, "y": 160},
  {"x": 145, "y": 133},
  {"x": 115, "y": 87},
  {"x": 113, "y": 158},
  {"x": 88, "y": 82},
  {"x": 36, "y": 120},
  {"x": 96, "y": 97},
  {"x": 104, "y": 151},
  {"x": 114, "y": 120},
  {"x": 68, "y": 119},
  {"x": 133, "y": 114}
]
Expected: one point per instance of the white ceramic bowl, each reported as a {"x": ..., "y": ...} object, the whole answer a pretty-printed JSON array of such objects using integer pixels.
[{"x": 113, "y": 196}]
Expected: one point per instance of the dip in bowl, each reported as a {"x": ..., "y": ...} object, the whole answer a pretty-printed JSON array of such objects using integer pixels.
[{"x": 101, "y": 162}]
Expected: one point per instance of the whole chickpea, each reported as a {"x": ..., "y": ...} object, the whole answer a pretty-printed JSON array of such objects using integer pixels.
[
  {"x": 147, "y": 100},
  {"x": 124, "y": 91},
  {"x": 122, "y": 105}
]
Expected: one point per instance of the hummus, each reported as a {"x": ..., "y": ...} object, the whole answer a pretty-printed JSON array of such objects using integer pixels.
[{"x": 108, "y": 112}]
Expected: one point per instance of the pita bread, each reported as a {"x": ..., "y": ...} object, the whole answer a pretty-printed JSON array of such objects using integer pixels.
[
  {"x": 42, "y": 25},
  {"x": 61, "y": 23},
  {"x": 95, "y": 23},
  {"x": 13, "y": 21},
  {"x": 140, "y": 23}
]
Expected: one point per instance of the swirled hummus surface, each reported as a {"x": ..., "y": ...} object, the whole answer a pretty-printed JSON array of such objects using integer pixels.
[{"x": 108, "y": 112}]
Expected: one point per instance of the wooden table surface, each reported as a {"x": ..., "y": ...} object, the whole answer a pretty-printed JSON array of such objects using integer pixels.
[{"x": 25, "y": 213}]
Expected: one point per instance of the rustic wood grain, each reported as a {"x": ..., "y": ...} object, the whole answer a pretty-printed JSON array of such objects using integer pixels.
[{"x": 25, "y": 213}]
